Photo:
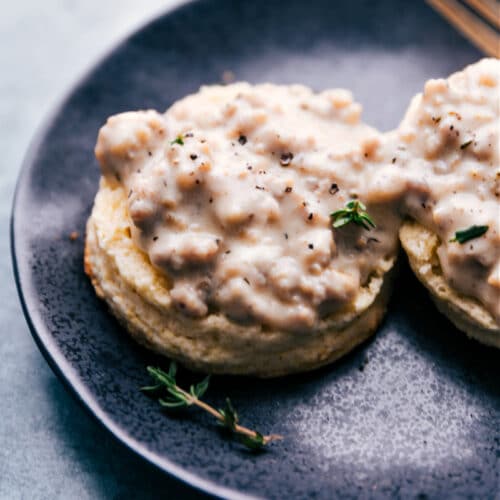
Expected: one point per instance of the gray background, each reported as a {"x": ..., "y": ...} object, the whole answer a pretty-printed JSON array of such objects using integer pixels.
[{"x": 49, "y": 447}]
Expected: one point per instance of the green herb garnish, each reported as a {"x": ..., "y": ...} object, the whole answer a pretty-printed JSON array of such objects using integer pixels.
[
  {"x": 469, "y": 234},
  {"x": 171, "y": 396},
  {"x": 178, "y": 140},
  {"x": 354, "y": 211}
]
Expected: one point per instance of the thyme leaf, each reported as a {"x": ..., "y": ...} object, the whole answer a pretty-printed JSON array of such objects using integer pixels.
[
  {"x": 256, "y": 442},
  {"x": 354, "y": 211},
  {"x": 470, "y": 233},
  {"x": 171, "y": 396},
  {"x": 229, "y": 415},
  {"x": 178, "y": 140},
  {"x": 199, "y": 389}
]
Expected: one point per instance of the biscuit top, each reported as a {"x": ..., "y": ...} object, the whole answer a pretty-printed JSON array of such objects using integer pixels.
[
  {"x": 230, "y": 194},
  {"x": 448, "y": 147}
]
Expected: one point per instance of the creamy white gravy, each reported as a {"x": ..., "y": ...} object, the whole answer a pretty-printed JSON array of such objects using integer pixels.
[
  {"x": 231, "y": 189},
  {"x": 447, "y": 150},
  {"x": 230, "y": 193}
]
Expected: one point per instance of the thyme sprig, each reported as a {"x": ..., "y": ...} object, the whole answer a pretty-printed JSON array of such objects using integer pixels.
[
  {"x": 354, "y": 211},
  {"x": 172, "y": 396},
  {"x": 470, "y": 233}
]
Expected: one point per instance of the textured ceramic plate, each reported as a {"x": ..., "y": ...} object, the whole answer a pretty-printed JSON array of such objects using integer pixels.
[{"x": 415, "y": 411}]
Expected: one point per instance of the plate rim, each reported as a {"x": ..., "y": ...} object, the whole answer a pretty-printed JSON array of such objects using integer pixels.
[{"x": 60, "y": 366}]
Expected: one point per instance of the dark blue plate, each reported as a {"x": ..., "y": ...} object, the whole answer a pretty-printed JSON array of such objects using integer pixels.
[{"x": 416, "y": 411}]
